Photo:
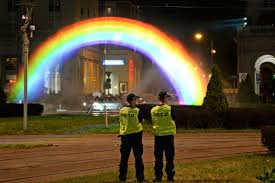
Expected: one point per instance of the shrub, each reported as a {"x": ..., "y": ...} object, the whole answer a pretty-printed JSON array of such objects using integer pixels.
[
  {"x": 15, "y": 110},
  {"x": 233, "y": 118},
  {"x": 215, "y": 98},
  {"x": 3, "y": 97},
  {"x": 268, "y": 176}
]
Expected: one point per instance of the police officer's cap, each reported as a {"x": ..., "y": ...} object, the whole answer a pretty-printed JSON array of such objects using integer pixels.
[
  {"x": 131, "y": 97},
  {"x": 163, "y": 95}
]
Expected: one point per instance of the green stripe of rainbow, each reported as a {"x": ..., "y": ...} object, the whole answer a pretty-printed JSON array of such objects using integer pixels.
[{"x": 165, "y": 51}]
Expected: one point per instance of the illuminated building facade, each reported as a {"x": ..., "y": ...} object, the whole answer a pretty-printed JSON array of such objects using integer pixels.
[
  {"x": 125, "y": 67},
  {"x": 255, "y": 49},
  {"x": 48, "y": 17}
]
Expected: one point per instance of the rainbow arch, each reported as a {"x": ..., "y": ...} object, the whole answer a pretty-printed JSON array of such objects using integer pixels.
[{"x": 168, "y": 53}]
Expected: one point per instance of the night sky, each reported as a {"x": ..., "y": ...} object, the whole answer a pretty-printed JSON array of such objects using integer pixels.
[{"x": 217, "y": 19}]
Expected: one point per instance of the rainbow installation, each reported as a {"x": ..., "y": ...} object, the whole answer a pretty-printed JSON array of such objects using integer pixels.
[{"x": 165, "y": 51}]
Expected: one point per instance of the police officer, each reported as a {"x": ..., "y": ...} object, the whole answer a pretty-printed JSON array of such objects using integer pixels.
[
  {"x": 131, "y": 138},
  {"x": 164, "y": 129}
]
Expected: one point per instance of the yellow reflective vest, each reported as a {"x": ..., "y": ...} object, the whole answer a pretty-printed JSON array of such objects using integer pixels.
[
  {"x": 128, "y": 119},
  {"x": 163, "y": 123}
]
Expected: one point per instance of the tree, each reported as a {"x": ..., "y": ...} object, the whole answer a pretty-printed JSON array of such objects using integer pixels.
[
  {"x": 215, "y": 98},
  {"x": 246, "y": 92},
  {"x": 3, "y": 97}
]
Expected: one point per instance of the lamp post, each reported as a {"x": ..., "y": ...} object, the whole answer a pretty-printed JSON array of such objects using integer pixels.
[
  {"x": 26, "y": 29},
  {"x": 199, "y": 37},
  {"x": 213, "y": 51}
]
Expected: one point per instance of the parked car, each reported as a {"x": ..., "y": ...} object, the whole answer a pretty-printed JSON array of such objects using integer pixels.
[{"x": 112, "y": 104}]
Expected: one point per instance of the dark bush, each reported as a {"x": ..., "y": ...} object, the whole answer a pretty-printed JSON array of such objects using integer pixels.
[
  {"x": 198, "y": 118},
  {"x": 233, "y": 118},
  {"x": 3, "y": 96},
  {"x": 16, "y": 110}
]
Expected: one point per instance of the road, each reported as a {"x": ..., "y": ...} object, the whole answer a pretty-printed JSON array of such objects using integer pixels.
[{"x": 86, "y": 155}]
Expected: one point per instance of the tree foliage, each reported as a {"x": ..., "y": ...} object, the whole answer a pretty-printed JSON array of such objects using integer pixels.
[
  {"x": 268, "y": 176},
  {"x": 215, "y": 98}
]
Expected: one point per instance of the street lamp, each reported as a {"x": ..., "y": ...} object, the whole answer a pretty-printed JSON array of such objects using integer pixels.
[
  {"x": 213, "y": 51},
  {"x": 199, "y": 36},
  {"x": 27, "y": 32}
]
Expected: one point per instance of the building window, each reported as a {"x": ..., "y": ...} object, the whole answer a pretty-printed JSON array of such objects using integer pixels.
[
  {"x": 269, "y": 3},
  {"x": 82, "y": 11},
  {"x": 51, "y": 5},
  {"x": 109, "y": 11},
  {"x": 12, "y": 5},
  {"x": 88, "y": 12},
  {"x": 11, "y": 64},
  {"x": 57, "y": 5},
  {"x": 54, "y": 6},
  {"x": 52, "y": 82}
]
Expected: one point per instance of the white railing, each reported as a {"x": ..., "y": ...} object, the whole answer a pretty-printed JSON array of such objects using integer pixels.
[{"x": 257, "y": 30}]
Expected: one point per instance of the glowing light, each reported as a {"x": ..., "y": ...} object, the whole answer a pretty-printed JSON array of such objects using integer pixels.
[
  {"x": 213, "y": 51},
  {"x": 113, "y": 62},
  {"x": 12, "y": 81},
  {"x": 164, "y": 50},
  {"x": 84, "y": 104},
  {"x": 198, "y": 36}
]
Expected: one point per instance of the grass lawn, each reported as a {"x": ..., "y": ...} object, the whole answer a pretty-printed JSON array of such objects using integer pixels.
[
  {"x": 78, "y": 124},
  {"x": 242, "y": 169},
  {"x": 22, "y": 146},
  {"x": 53, "y": 124}
]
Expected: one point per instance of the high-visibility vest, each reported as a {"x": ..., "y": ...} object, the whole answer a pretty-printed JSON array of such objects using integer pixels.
[
  {"x": 163, "y": 123},
  {"x": 128, "y": 119}
]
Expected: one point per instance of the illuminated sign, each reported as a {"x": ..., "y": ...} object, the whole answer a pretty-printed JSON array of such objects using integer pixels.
[{"x": 113, "y": 62}]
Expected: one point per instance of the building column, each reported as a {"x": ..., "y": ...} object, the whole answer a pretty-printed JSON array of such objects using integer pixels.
[{"x": 256, "y": 81}]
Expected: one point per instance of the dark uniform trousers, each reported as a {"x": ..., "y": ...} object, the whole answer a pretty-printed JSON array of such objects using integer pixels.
[
  {"x": 128, "y": 142},
  {"x": 166, "y": 144}
]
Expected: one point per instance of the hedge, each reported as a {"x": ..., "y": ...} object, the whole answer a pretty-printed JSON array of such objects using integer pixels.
[
  {"x": 233, "y": 118},
  {"x": 16, "y": 110}
]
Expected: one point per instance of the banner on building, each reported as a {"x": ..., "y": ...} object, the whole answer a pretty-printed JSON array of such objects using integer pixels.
[{"x": 242, "y": 77}]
